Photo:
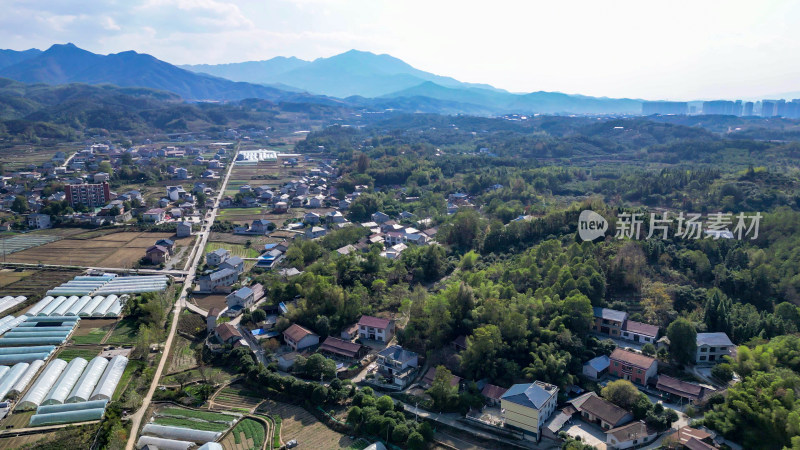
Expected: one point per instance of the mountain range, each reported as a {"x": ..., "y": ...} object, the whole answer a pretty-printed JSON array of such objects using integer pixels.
[{"x": 356, "y": 78}]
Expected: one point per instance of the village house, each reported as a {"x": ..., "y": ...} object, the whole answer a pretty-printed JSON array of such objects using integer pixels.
[
  {"x": 183, "y": 229},
  {"x": 397, "y": 364},
  {"x": 155, "y": 215},
  {"x": 342, "y": 349},
  {"x": 596, "y": 367},
  {"x": 39, "y": 221},
  {"x": 526, "y": 407},
  {"x": 234, "y": 263},
  {"x": 239, "y": 300},
  {"x": 632, "y": 366},
  {"x": 168, "y": 244},
  {"x": 315, "y": 232},
  {"x": 430, "y": 375},
  {"x": 639, "y": 332},
  {"x": 712, "y": 347},
  {"x": 375, "y": 328},
  {"x": 227, "y": 333},
  {"x": 216, "y": 281},
  {"x": 217, "y": 257},
  {"x": 682, "y": 390},
  {"x": 608, "y": 321},
  {"x": 631, "y": 435},
  {"x": 157, "y": 254},
  {"x": 599, "y": 411},
  {"x": 299, "y": 338},
  {"x": 493, "y": 393}
]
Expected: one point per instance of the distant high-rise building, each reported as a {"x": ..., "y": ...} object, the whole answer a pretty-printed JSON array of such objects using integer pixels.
[
  {"x": 748, "y": 109},
  {"x": 793, "y": 109},
  {"x": 780, "y": 108},
  {"x": 90, "y": 195},
  {"x": 767, "y": 108},
  {"x": 649, "y": 108},
  {"x": 723, "y": 107}
]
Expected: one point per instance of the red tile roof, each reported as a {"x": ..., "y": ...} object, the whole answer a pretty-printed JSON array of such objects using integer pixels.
[
  {"x": 634, "y": 359},
  {"x": 431, "y": 374},
  {"x": 493, "y": 392},
  {"x": 227, "y": 331},
  {"x": 375, "y": 322},
  {"x": 605, "y": 410},
  {"x": 340, "y": 347},
  {"x": 297, "y": 333},
  {"x": 679, "y": 387}
]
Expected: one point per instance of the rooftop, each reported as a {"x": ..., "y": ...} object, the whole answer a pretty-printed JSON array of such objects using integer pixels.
[
  {"x": 641, "y": 328},
  {"x": 632, "y": 358},
  {"x": 533, "y": 395},
  {"x": 341, "y": 347},
  {"x": 397, "y": 353},
  {"x": 714, "y": 339},
  {"x": 375, "y": 322},
  {"x": 296, "y": 333},
  {"x": 601, "y": 408},
  {"x": 610, "y": 314}
]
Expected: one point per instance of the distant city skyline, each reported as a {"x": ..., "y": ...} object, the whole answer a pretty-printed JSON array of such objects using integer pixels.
[{"x": 682, "y": 50}]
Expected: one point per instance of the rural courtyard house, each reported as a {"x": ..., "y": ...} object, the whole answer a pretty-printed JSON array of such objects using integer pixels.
[
  {"x": 157, "y": 254},
  {"x": 608, "y": 321},
  {"x": 597, "y": 410},
  {"x": 639, "y": 332},
  {"x": 39, "y": 221},
  {"x": 227, "y": 333},
  {"x": 234, "y": 263},
  {"x": 632, "y": 366},
  {"x": 239, "y": 300},
  {"x": 712, "y": 347},
  {"x": 217, "y": 257},
  {"x": 217, "y": 281},
  {"x": 375, "y": 328},
  {"x": 299, "y": 338},
  {"x": 155, "y": 215},
  {"x": 596, "y": 367},
  {"x": 526, "y": 407},
  {"x": 397, "y": 364},
  {"x": 342, "y": 349},
  {"x": 631, "y": 435}
]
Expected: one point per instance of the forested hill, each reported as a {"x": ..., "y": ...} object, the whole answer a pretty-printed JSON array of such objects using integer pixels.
[{"x": 31, "y": 112}]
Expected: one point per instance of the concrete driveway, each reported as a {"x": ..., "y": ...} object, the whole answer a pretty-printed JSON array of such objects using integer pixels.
[{"x": 589, "y": 434}]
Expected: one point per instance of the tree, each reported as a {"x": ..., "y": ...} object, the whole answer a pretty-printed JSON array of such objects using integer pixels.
[
  {"x": 415, "y": 441},
  {"x": 621, "y": 393},
  {"x": 722, "y": 372},
  {"x": 20, "y": 205},
  {"x": 259, "y": 315},
  {"x": 649, "y": 349},
  {"x": 682, "y": 340},
  {"x": 479, "y": 360},
  {"x": 657, "y": 304},
  {"x": 579, "y": 310},
  {"x": 400, "y": 433},
  {"x": 354, "y": 415},
  {"x": 441, "y": 391},
  {"x": 384, "y": 403}
]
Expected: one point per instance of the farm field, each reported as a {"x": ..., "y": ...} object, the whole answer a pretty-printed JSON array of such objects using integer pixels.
[
  {"x": 236, "y": 249},
  {"x": 248, "y": 434},
  {"x": 122, "y": 249},
  {"x": 19, "y": 157},
  {"x": 124, "y": 333},
  {"x": 8, "y": 276},
  {"x": 236, "y": 396},
  {"x": 209, "y": 301},
  {"x": 297, "y": 423},
  {"x": 34, "y": 284},
  {"x": 92, "y": 331},
  {"x": 182, "y": 355},
  {"x": 86, "y": 352}
]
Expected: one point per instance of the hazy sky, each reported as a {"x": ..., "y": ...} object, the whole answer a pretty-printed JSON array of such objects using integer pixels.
[{"x": 674, "y": 49}]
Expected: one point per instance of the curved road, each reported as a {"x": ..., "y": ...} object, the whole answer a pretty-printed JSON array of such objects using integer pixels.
[{"x": 200, "y": 244}]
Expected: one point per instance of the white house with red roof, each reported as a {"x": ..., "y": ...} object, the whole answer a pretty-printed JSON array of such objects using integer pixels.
[{"x": 375, "y": 328}]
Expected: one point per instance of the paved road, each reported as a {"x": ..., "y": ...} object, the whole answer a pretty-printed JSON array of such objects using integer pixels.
[{"x": 200, "y": 244}]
